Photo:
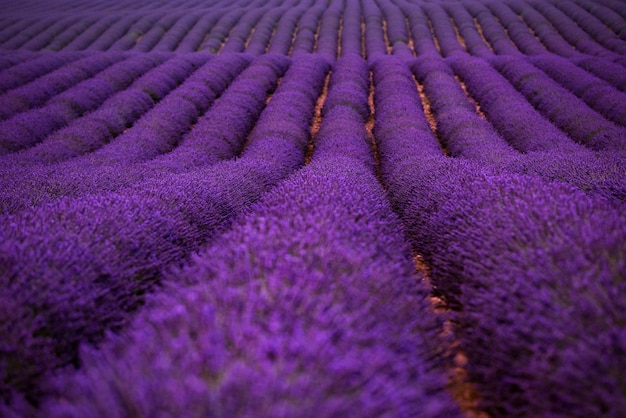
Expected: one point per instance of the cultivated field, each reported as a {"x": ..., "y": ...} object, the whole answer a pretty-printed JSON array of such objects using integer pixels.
[{"x": 313, "y": 208}]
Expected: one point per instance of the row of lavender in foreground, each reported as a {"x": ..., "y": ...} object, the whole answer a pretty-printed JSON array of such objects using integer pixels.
[
  {"x": 533, "y": 269},
  {"x": 88, "y": 259},
  {"x": 479, "y": 28}
]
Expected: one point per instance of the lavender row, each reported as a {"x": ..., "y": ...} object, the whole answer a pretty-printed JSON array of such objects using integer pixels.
[
  {"x": 563, "y": 108},
  {"x": 285, "y": 31},
  {"x": 508, "y": 110},
  {"x": 156, "y": 133},
  {"x": 403, "y": 116},
  {"x": 575, "y": 35},
  {"x": 516, "y": 28},
  {"x": 345, "y": 114},
  {"x": 108, "y": 249},
  {"x": 463, "y": 131},
  {"x": 500, "y": 247},
  {"x": 469, "y": 135},
  {"x": 350, "y": 41},
  {"x": 29, "y": 33},
  {"x": 605, "y": 15},
  {"x": 29, "y": 70},
  {"x": 594, "y": 27},
  {"x": 114, "y": 116},
  {"x": 397, "y": 31},
  {"x": 374, "y": 36},
  {"x": 475, "y": 42},
  {"x": 37, "y": 92},
  {"x": 89, "y": 35},
  {"x": 28, "y": 128},
  {"x": 343, "y": 300},
  {"x": 307, "y": 35},
  {"x": 598, "y": 94}
]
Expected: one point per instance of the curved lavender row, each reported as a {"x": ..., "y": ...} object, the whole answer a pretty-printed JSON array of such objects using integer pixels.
[
  {"x": 563, "y": 108},
  {"x": 28, "y": 33},
  {"x": 375, "y": 45},
  {"x": 598, "y": 94},
  {"x": 328, "y": 38},
  {"x": 597, "y": 173},
  {"x": 399, "y": 107},
  {"x": 136, "y": 31},
  {"x": 161, "y": 129},
  {"x": 345, "y": 113},
  {"x": 307, "y": 307},
  {"x": 605, "y": 15},
  {"x": 83, "y": 40},
  {"x": 28, "y": 128},
  {"x": 25, "y": 72},
  {"x": 43, "y": 38},
  {"x": 156, "y": 32},
  {"x": 473, "y": 41},
  {"x": 56, "y": 41},
  {"x": 214, "y": 40},
  {"x": 423, "y": 38},
  {"x": 514, "y": 25},
  {"x": 593, "y": 26},
  {"x": 443, "y": 30},
  {"x": 542, "y": 28},
  {"x": 261, "y": 37},
  {"x": 114, "y": 33},
  {"x": 115, "y": 115},
  {"x": 285, "y": 30},
  {"x": 173, "y": 37},
  {"x": 611, "y": 72},
  {"x": 14, "y": 58},
  {"x": 109, "y": 249},
  {"x": 38, "y": 91},
  {"x": 574, "y": 34},
  {"x": 306, "y": 37},
  {"x": 397, "y": 31},
  {"x": 195, "y": 37},
  {"x": 221, "y": 133},
  {"x": 509, "y": 112},
  {"x": 59, "y": 42},
  {"x": 351, "y": 33},
  {"x": 464, "y": 132},
  {"x": 10, "y": 31},
  {"x": 236, "y": 41},
  {"x": 491, "y": 29}
]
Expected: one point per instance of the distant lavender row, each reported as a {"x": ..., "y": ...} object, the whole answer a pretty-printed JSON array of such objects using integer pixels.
[
  {"x": 108, "y": 249},
  {"x": 218, "y": 134},
  {"x": 28, "y": 128}
]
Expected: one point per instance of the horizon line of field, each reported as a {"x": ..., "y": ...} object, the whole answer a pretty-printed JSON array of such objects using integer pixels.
[{"x": 379, "y": 28}]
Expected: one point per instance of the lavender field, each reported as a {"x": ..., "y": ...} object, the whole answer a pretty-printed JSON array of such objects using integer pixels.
[{"x": 313, "y": 208}]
